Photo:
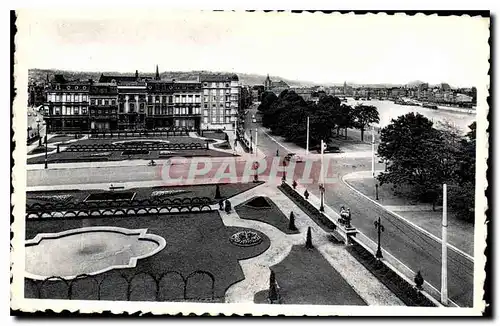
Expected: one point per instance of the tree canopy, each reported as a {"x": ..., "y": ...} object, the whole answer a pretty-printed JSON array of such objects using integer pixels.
[{"x": 423, "y": 158}]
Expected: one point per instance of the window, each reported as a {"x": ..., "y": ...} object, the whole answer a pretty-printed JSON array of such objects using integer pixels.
[
  {"x": 206, "y": 106},
  {"x": 150, "y": 99},
  {"x": 214, "y": 85},
  {"x": 205, "y": 84},
  {"x": 213, "y": 119},
  {"x": 121, "y": 108},
  {"x": 58, "y": 111},
  {"x": 131, "y": 107},
  {"x": 170, "y": 99},
  {"x": 205, "y": 120},
  {"x": 157, "y": 110},
  {"x": 228, "y": 112},
  {"x": 76, "y": 111},
  {"x": 106, "y": 102},
  {"x": 142, "y": 107},
  {"x": 99, "y": 111},
  {"x": 113, "y": 102},
  {"x": 92, "y": 102},
  {"x": 205, "y": 113},
  {"x": 227, "y": 105},
  {"x": 205, "y": 99},
  {"x": 227, "y": 84},
  {"x": 84, "y": 110},
  {"x": 227, "y": 120}
]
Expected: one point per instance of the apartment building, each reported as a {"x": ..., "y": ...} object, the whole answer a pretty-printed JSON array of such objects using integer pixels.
[{"x": 220, "y": 101}]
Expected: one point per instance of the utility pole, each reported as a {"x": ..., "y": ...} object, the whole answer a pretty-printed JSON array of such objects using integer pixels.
[
  {"x": 380, "y": 228},
  {"x": 444, "y": 249},
  {"x": 373, "y": 151},
  {"x": 256, "y": 140},
  {"x": 307, "y": 137}
]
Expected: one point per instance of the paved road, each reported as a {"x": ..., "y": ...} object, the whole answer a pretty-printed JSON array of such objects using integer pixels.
[
  {"x": 32, "y": 115},
  {"x": 416, "y": 250}
]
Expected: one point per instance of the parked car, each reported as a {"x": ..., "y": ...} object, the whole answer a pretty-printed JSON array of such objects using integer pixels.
[
  {"x": 293, "y": 157},
  {"x": 328, "y": 149}
]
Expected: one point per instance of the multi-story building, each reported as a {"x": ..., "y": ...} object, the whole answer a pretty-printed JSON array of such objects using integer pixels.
[
  {"x": 220, "y": 101},
  {"x": 67, "y": 105},
  {"x": 103, "y": 106},
  {"x": 173, "y": 103},
  {"x": 137, "y": 102}
]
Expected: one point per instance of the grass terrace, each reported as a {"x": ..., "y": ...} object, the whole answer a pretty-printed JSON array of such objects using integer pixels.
[{"x": 194, "y": 242}]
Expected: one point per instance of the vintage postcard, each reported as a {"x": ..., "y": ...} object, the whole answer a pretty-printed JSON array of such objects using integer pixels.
[{"x": 196, "y": 162}]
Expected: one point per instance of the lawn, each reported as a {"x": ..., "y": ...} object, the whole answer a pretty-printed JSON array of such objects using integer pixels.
[
  {"x": 226, "y": 190},
  {"x": 305, "y": 277},
  {"x": 195, "y": 241},
  {"x": 263, "y": 209},
  {"x": 68, "y": 157}
]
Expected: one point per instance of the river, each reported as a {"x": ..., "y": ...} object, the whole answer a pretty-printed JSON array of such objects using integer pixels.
[{"x": 388, "y": 111}]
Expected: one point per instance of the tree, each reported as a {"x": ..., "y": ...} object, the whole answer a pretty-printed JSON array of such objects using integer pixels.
[
  {"x": 309, "y": 244},
  {"x": 419, "y": 156},
  {"x": 363, "y": 115},
  {"x": 268, "y": 98},
  {"x": 291, "y": 225},
  {"x": 344, "y": 118},
  {"x": 217, "y": 192},
  {"x": 273, "y": 294}
]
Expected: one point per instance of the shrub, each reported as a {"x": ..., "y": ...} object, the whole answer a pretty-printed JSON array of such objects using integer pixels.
[{"x": 291, "y": 225}]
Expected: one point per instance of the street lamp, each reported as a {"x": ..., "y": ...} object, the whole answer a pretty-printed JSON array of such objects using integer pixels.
[
  {"x": 380, "y": 228},
  {"x": 322, "y": 197},
  {"x": 251, "y": 141},
  {"x": 38, "y": 130},
  {"x": 46, "y": 146}
]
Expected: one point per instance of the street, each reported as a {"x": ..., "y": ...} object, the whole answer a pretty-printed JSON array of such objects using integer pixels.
[{"x": 416, "y": 250}]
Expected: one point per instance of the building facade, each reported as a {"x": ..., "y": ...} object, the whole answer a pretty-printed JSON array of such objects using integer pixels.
[
  {"x": 67, "y": 106},
  {"x": 220, "y": 102},
  {"x": 143, "y": 102}
]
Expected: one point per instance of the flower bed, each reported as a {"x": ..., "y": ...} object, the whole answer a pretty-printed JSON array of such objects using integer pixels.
[
  {"x": 245, "y": 239},
  {"x": 54, "y": 198},
  {"x": 164, "y": 193},
  {"x": 405, "y": 291},
  {"x": 100, "y": 154}
]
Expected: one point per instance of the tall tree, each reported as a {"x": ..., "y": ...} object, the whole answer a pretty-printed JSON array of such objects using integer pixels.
[
  {"x": 363, "y": 115},
  {"x": 417, "y": 155}
]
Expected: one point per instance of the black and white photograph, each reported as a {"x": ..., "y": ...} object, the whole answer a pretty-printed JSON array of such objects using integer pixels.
[{"x": 250, "y": 162}]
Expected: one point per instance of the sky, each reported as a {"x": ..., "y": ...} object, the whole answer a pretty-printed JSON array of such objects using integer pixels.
[{"x": 310, "y": 47}]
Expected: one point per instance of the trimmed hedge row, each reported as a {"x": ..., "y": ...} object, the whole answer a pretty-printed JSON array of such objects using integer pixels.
[
  {"x": 405, "y": 291},
  {"x": 321, "y": 219}
]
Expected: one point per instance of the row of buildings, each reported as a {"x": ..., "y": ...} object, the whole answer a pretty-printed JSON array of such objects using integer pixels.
[
  {"x": 439, "y": 94},
  {"x": 211, "y": 101}
]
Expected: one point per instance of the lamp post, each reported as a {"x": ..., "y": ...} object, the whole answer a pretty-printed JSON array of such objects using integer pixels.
[
  {"x": 376, "y": 191},
  {"x": 322, "y": 196},
  {"x": 46, "y": 147},
  {"x": 38, "y": 130},
  {"x": 380, "y": 228},
  {"x": 251, "y": 141}
]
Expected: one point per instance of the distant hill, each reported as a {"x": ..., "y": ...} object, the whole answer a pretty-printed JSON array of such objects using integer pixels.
[{"x": 40, "y": 75}]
